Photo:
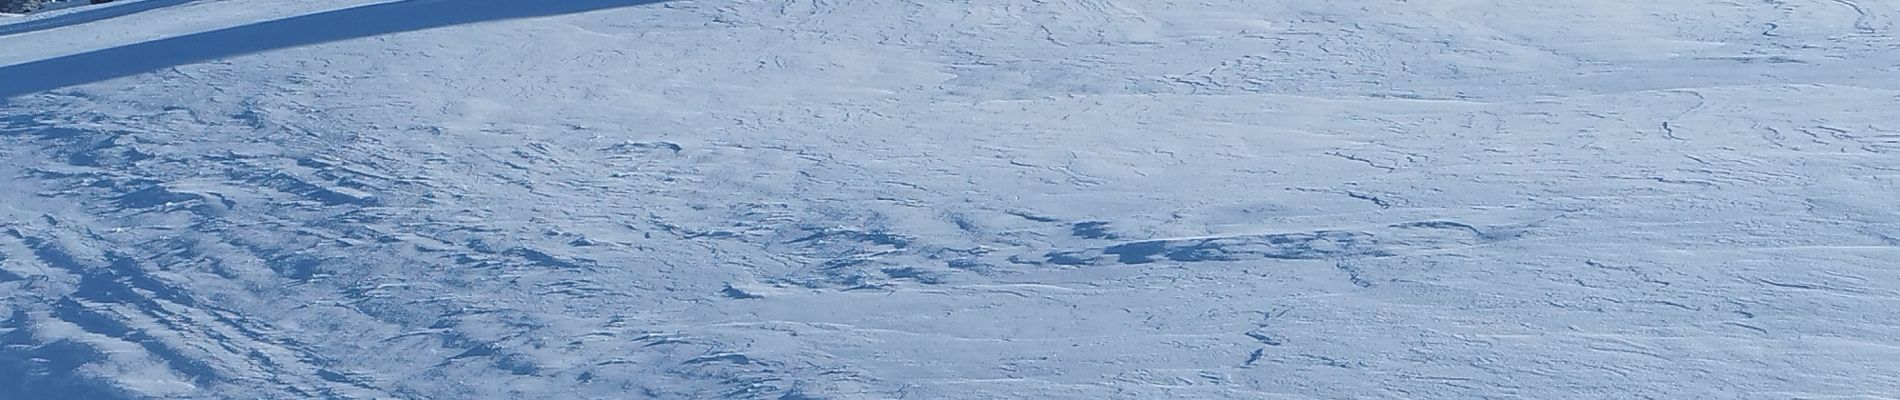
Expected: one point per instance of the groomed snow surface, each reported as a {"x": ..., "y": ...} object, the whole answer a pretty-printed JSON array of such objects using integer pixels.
[{"x": 881, "y": 199}]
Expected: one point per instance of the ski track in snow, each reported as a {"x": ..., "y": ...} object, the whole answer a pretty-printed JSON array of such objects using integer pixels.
[{"x": 847, "y": 199}]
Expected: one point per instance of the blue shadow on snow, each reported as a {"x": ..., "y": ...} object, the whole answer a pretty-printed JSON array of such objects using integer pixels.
[{"x": 364, "y": 21}]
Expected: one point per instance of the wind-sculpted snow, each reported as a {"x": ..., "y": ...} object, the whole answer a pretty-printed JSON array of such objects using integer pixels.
[
  {"x": 902, "y": 199},
  {"x": 1394, "y": 240}
]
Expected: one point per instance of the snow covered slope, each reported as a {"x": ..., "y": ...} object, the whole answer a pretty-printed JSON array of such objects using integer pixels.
[{"x": 858, "y": 199}]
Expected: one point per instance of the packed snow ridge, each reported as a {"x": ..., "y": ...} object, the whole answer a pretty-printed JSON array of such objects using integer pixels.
[{"x": 1063, "y": 199}]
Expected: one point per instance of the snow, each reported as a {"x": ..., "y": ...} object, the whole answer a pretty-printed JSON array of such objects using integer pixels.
[{"x": 494, "y": 199}]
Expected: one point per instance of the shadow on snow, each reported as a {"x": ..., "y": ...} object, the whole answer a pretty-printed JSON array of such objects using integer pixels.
[{"x": 364, "y": 21}]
